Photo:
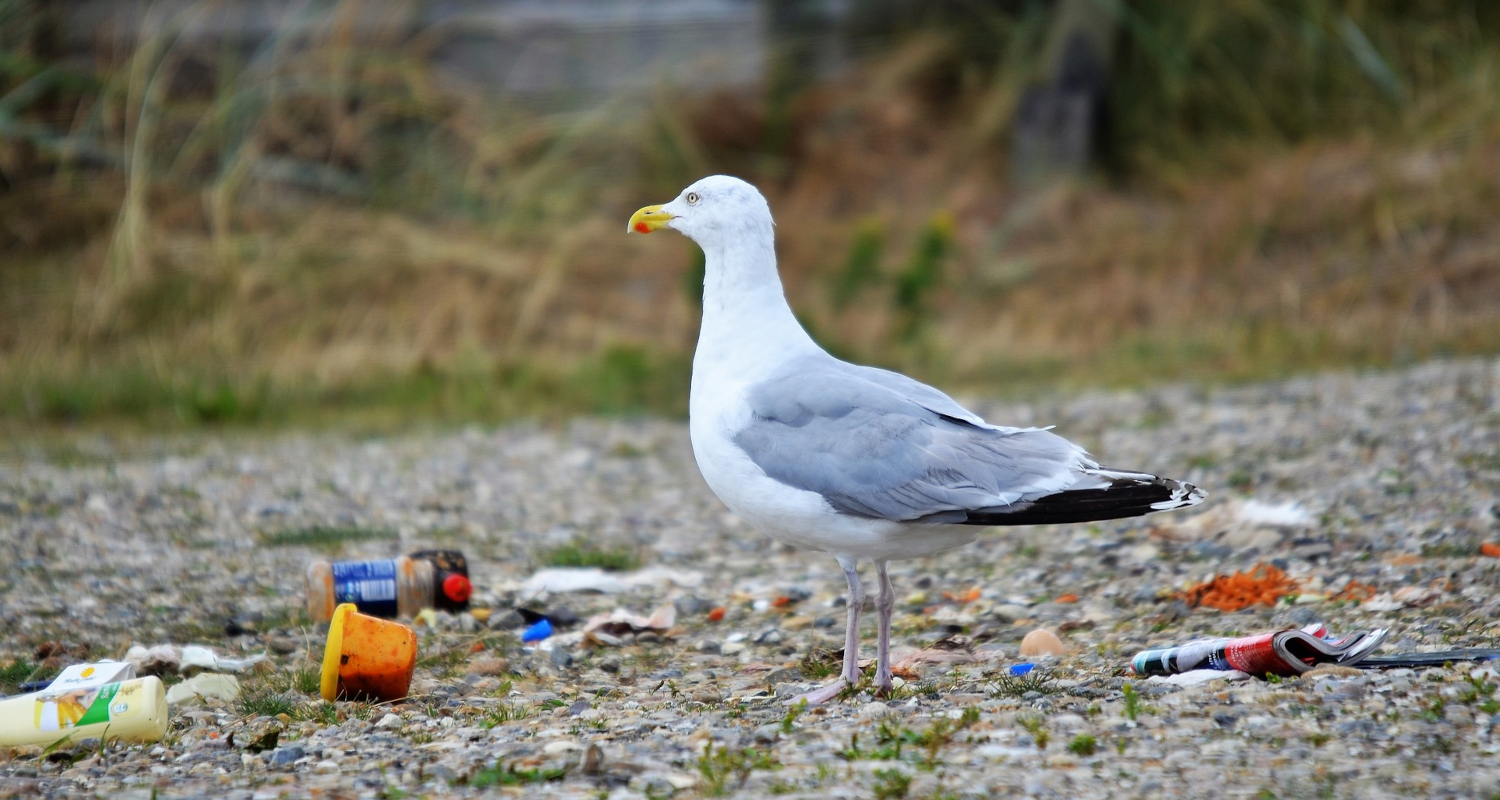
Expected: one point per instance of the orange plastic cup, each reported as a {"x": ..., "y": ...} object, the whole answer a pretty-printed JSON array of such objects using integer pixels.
[{"x": 367, "y": 657}]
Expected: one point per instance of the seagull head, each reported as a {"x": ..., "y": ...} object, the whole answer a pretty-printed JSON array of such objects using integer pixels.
[{"x": 708, "y": 211}]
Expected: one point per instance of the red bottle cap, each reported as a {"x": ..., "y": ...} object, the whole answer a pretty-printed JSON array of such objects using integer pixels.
[{"x": 457, "y": 588}]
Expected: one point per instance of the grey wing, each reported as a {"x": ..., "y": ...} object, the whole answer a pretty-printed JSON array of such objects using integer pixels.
[{"x": 872, "y": 451}]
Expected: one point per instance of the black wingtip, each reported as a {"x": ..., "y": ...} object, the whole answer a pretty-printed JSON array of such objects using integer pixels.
[{"x": 1123, "y": 497}]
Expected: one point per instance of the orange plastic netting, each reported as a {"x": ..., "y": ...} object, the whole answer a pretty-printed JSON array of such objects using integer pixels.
[{"x": 1264, "y": 583}]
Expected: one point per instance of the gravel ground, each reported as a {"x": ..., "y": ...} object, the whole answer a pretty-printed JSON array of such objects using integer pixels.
[{"x": 113, "y": 542}]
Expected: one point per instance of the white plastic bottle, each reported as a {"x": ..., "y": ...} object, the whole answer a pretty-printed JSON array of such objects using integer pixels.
[
  {"x": 386, "y": 587},
  {"x": 131, "y": 711}
]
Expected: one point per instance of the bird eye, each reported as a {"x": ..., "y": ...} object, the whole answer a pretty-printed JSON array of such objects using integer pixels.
[{"x": 693, "y": 198}]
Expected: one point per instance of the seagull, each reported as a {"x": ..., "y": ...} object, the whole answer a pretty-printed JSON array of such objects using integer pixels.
[{"x": 861, "y": 463}]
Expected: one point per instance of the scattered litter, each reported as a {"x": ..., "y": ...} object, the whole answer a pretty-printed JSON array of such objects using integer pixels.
[
  {"x": 592, "y": 579},
  {"x": 538, "y": 631},
  {"x": 1021, "y": 669},
  {"x": 1042, "y": 642},
  {"x": 1289, "y": 514},
  {"x": 962, "y": 598},
  {"x": 1430, "y": 659},
  {"x": 659, "y": 575},
  {"x": 197, "y": 657},
  {"x": 956, "y": 649},
  {"x": 390, "y": 587},
  {"x": 206, "y": 687},
  {"x": 132, "y": 711},
  {"x": 717, "y": 614},
  {"x": 426, "y": 618},
  {"x": 1354, "y": 590},
  {"x": 1264, "y": 583},
  {"x": 572, "y": 579},
  {"x": 1405, "y": 597},
  {"x": 560, "y": 616},
  {"x": 1237, "y": 524},
  {"x": 163, "y": 659},
  {"x": 1197, "y": 676},
  {"x": 1287, "y": 652},
  {"x": 87, "y": 676},
  {"x": 1491, "y": 549},
  {"x": 620, "y": 622},
  {"x": 367, "y": 657},
  {"x": 451, "y": 588},
  {"x": 1067, "y": 598}
]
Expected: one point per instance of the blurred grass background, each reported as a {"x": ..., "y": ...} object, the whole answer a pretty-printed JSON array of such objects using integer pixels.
[{"x": 326, "y": 229}]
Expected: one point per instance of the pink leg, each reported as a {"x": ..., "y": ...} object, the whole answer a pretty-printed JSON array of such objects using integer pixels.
[
  {"x": 850, "y": 675},
  {"x": 884, "y": 606}
]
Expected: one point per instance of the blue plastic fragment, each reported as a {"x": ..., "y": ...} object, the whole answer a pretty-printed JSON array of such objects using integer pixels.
[
  {"x": 537, "y": 632},
  {"x": 1021, "y": 669}
]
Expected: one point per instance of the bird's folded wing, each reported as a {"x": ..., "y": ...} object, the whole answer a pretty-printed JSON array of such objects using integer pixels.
[{"x": 872, "y": 450}]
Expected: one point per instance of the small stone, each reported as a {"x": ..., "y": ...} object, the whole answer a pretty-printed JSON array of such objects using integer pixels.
[
  {"x": 610, "y": 664},
  {"x": 1010, "y": 612},
  {"x": 593, "y": 761},
  {"x": 820, "y": 622},
  {"x": 1042, "y": 642},
  {"x": 708, "y": 646},
  {"x": 783, "y": 675},
  {"x": 874, "y": 708},
  {"x": 771, "y": 636},
  {"x": 285, "y": 756},
  {"x": 561, "y": 658},
  {"x": 732, "y": 648},
  {"x": 692, "y": 606},
  {"x": 489, "y": 665},
  {"x": 389, "y": 721},
  {"x": 326, "y": 767}
]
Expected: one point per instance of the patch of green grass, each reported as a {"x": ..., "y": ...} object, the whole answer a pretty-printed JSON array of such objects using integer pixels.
[
  {"x": 580, "y": 553},
  {"x": 1017, "y": 686},
  {"x": 820, "y": 663},
  {"x": 1083, "y": 745},
  {"x": 940, "y": 733},
  {"x": 14, "y": 673},
  {"x": 510, "y": 776},
  {"x": 501, "y": 713},
  {"x": 1133, "y": 705},
  {"x": 267, "y": 703},
  {"x": 890, "y": 784},
  {"x": 726, "y": 770},
  {"x": 325, "y": 538},
  {"x": 789, "y": 721},
  {"x": 444, "y": 662},
  {"x": 1037, "y": 727}
]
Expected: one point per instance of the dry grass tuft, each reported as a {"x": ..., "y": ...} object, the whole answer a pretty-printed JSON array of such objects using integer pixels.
[{"x": 331, "y": 230}]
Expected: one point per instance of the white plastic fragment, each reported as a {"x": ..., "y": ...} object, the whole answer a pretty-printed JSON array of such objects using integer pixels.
[
  {"x": 205, "y": 688},
  {"x": 572, "y": 579},
  {"x": 198, "y": 657},
  {"x": 1197, "y": 676}
]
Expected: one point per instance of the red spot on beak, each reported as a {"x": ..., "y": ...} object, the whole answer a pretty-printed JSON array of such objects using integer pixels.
[{"x": 641, "y": 227}]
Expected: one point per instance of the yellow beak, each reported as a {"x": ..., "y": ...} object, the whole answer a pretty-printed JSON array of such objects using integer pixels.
[{"x": 649, "y": 219}]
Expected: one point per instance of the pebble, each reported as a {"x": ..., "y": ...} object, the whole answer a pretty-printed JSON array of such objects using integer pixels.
[
  {"x": 1041, "y": 642},
  {"x": 282, "y": 756}
]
